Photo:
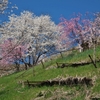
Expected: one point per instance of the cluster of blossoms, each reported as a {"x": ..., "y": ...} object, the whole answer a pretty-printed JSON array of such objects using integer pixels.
[{"x": 30, "y": 36}]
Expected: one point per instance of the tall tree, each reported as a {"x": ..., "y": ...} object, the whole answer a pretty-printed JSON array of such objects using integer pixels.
[
  {"x": 74, "y": 32},
  {"x": 38, "y": 32}
]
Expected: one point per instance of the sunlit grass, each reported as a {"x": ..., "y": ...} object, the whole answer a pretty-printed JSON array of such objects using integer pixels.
[{"x": 11, "y": 90}]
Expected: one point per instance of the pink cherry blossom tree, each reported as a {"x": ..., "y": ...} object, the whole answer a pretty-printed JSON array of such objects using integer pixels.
[
  {"x": 11, "y": 53},
  {"x": 74, "y": 32},
  {"x": 96, "y": 28},
  {"x": 95, "y": 32}
]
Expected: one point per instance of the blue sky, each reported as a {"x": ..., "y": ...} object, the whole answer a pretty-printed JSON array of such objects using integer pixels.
[{"x": 57, "y": 8}]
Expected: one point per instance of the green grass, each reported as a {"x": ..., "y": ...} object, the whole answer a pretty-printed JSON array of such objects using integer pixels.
[{"x": 10, "y": 89}]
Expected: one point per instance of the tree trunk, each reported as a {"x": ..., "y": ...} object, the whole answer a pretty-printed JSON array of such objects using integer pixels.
[
  {"x": 33, "y": 59},
  {"x": 17, "y": 66},
  {"x": 25, "y": 66},
  {"x": 29, "y": 64},
  {"x": 37, "y": 58}
]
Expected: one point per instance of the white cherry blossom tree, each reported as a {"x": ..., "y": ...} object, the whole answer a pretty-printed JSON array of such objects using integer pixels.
[
  {"x": 3, "y": 5},
  {"x": 38, "y": 32}
]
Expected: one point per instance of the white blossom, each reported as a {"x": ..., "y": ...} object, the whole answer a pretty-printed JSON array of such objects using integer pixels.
[{"x": 39, "y": 32}]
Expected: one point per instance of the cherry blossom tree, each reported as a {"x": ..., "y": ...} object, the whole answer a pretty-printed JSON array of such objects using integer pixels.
[
  {"x": 11, "y": 53},
  {"x": 43, "y": 36},
  {"x": 96, "y": 28},
  {"x": 6, "y": 7},
  {"x": 74, "y": 32},
  {"x": 95, "y": 33},
  {"x": 38, "y": 32},
  {"x": 3, "y": 5}
]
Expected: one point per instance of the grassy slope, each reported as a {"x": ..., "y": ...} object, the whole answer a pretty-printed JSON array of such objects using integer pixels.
[{"x": 11, "y": 90}]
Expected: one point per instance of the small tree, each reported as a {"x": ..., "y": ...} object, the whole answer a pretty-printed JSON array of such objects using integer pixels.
[
  {"x": 11, "y": 53},
  {"x": 95, "y": 32}
]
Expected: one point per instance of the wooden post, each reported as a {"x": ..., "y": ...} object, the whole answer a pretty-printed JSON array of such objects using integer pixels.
[
  {"x": 23, "y": 85},
  {"x": 28, "y": 83},
  {"x": 42, "y": 64},
  {"x": 93, "y": 62},
  {"x": 61, "y": 54},
  {"x": 57, "y": 65},
  {"x": 98, "y": 59}
]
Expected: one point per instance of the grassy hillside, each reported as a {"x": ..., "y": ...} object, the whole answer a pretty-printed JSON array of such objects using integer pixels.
[{"x": 11, "y": 89}]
